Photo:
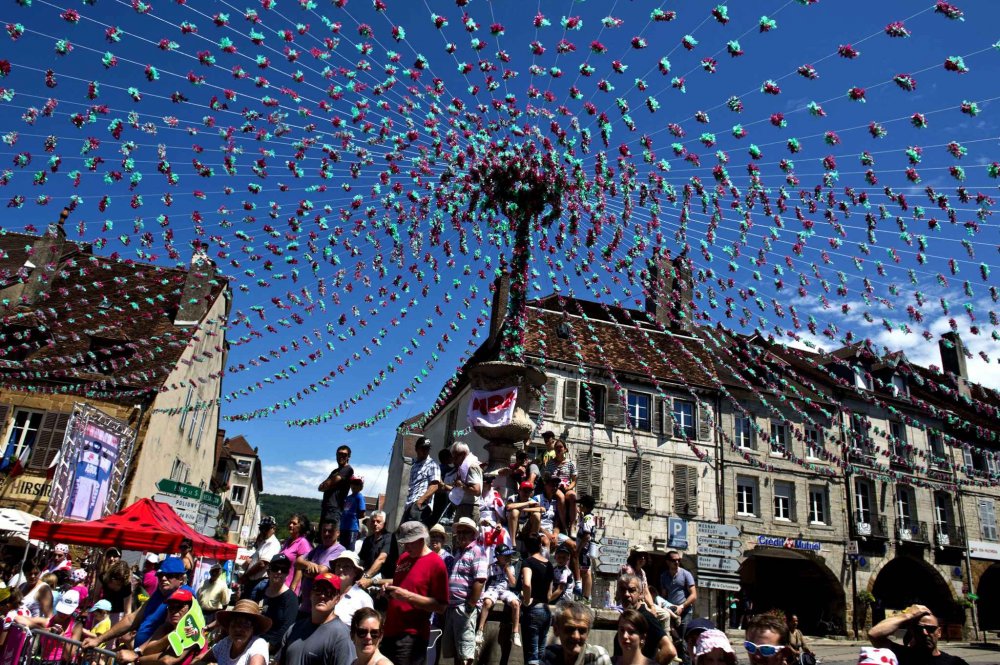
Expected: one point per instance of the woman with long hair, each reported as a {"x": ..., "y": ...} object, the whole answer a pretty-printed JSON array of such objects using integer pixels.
[
  {"x": 636, "y": 565},
  {"x": 632, "y": 628},
  {"x": 298, "y": 543},
  {"x": 366, "y": 633}
]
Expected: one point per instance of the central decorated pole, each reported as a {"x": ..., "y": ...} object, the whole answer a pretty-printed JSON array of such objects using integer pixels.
[{"x": 522, "y": 186}]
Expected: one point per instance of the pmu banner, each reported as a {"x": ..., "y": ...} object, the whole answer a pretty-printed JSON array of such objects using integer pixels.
[
  {"x": 492, "y": 408},
  {"x": 90, "y": 468}
]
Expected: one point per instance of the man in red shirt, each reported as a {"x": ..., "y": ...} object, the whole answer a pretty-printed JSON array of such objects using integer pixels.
[{"x": 419, "y": 588}]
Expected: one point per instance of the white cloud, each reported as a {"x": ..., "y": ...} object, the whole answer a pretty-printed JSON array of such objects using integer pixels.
[{"x": 302, "y": 477}]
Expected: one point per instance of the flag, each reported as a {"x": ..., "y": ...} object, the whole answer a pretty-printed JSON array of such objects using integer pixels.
[
  {"x": 51, "y": 471},
  {"x": 17, "y": 467}
]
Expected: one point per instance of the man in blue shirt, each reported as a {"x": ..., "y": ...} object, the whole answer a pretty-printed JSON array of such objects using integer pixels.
[{"x": 171, "y": 577}]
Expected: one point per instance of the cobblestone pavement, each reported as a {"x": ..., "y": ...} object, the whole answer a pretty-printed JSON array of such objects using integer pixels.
[{"x": 846, "y": 653}]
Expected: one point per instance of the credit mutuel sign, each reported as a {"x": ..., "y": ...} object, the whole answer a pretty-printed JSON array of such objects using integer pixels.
[{"x": 788, "y": 543}]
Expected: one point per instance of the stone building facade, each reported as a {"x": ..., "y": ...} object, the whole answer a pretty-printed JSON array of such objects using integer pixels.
[
  {"x": 866, "y": 480},
  {"x": 142, "y": 343}
]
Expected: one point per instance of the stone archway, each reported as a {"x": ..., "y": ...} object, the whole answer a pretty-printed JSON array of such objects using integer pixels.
[
  {"x": 988, "y": 605},
  {"x": 795, "y": 583},
  {"x": 905, "y": 580}
]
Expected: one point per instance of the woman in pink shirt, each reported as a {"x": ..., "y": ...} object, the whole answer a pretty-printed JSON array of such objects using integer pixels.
[{"x": 297, "y": 544}]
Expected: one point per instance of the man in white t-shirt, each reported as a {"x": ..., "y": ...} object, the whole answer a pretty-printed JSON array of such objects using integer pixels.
[{"x": 266, "y": 547}]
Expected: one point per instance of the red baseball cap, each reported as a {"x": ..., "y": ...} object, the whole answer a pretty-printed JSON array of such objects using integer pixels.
[
  {"x": 327, "y": 578},
  {"x": 527, "y": 485},
  {"x": 181, "y": 596}
]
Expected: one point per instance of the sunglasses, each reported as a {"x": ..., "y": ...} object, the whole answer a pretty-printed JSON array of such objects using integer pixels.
[
  {"x": 765, "y": 650},
  {"x": 173, "y": 607},
  {"x": 374, "y": 633}
]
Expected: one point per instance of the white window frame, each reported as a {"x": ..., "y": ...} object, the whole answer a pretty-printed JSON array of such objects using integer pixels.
[
  {"x": 861, "y": 379},
  {"x": 184, "y": 411},
  {"x": 942, "y": 511},
  {"x": 682, "y": 428},
  {"x": 744, "y": 484},
  {"x": 814, "y": 441},
  {"x": 778, "y": 428},
  {"x": 868, "y": 510},
  {"x": 819, "y": 505},
  {"x": 232, "y": 493},
  {"x": 634, "y": 413},
  {"x": 19, "y": 445},
  {"x": 784, "y": 501},
  {"x": 898, "y": 385},
  {"x": 743, "y": 434},
  {"x": 988, "y": 519},
  {"x": 906, "y": 505}
]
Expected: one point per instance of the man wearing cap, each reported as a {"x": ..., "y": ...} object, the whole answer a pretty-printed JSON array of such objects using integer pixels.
[
  {"x": 214, "y": 593},
  {"x": 465, "y": 585},
  {"x": 657, "y": 644},
  {"x": 522, "y": 510},
  {"x": 265, "y": 548},
  {"x": 319, "y": 639},
  {"x": 153, "y": 613},
  {"x": 348, "y": 568},
  {"x": 920, "y": 642},
  {"x": 419, "y": 588},
  {"x": 425, "y": 478},
  {"x": 316, "y": 561}
]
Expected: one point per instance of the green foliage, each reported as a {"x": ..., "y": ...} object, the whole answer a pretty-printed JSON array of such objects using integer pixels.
[
  {"x": 865, "y": 597},
  {"x": 281, "y": 507}
]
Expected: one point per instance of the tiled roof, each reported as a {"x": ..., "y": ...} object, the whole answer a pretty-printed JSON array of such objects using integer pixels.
[
  {"x": 238, "y": 445},
  {"x": 112, "y": 318},
  {"x": 623, "y": 347}
]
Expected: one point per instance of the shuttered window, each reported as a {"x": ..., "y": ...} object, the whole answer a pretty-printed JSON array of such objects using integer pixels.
[
  {"x": 546, "y": 402},
  {"x": 638, "y": 482},
  {"x": 579, "y": 397},
  {"x": 988, "y": 519},
  {"x": 614, "y": 414},
  {"x": 49, "y": 441},
  {"x": 686, "y": 490},
  {"x": 589, "y": 474}
]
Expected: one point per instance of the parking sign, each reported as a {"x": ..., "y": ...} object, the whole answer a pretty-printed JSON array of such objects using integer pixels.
[{"x": 677, "y": 533}]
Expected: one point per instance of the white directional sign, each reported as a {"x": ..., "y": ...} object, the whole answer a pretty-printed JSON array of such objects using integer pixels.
[
  {"x": 612, "y": 554},
  {"x": 716, "y": 551},
  {"x": 186, "y": 509},
  {"x": 718, "y": 530},
  {"x": 721, "y": 585},
  {"x": 721, "y": 543},
  {"x": 718, "y": 563}
]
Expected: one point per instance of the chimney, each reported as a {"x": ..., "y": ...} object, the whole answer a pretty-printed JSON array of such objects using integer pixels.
[
  {"x": 669, "y": 290},
  {"x": 953, "y": 359},
  {"x": 196, "y": 296},
  {"x": 498, "y": 311},
  {"x": 44, "y": 260}
]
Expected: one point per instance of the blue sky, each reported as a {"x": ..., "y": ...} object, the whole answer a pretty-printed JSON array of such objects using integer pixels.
[{"x": 271, "y": 290}]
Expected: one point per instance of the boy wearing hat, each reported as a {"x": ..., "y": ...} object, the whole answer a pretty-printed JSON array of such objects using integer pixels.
[
  {"x": 319, "y": 639},
  {"x": 438, "y": 545},
  {"x": 100, "y": 617},
  {"x": 465, "y": 585},
  {"x": 499, "y": 582},
  {"x": 562, "y": 577}
]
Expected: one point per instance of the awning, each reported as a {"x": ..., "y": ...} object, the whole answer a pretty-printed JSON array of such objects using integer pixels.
[
  {"x": 15, "y": 523},
  {"x": 145, "y": 526}
]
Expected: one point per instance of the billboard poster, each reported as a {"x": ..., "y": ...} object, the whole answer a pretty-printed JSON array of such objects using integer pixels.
[{"x": 91, "y": 465}]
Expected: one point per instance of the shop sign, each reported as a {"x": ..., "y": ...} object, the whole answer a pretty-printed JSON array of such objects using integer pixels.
[
  {"x": 789, "y": 543},
  {"x": 29, "y": 488},
  {"x": 677, "y": 533},
  {"x": 979, "y": 549}
]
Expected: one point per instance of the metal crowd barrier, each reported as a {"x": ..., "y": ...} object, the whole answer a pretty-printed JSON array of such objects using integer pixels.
[{"x": 23, "y": 646}]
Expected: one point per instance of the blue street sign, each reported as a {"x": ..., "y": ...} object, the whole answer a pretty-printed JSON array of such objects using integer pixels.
[{"x": 677, "y": 533}]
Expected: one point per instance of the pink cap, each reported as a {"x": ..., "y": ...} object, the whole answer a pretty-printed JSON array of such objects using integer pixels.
[{"x": 873, "y": 656}]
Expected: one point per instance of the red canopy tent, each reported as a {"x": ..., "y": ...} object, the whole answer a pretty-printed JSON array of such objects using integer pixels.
[{"x": 146, "y": 526}]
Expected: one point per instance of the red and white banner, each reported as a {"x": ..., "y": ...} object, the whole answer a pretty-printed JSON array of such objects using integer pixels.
[{"x": 492, "y": 408}]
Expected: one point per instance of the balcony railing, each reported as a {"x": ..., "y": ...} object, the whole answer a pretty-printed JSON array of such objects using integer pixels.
[
  {"x": 949, "y": 535},
  {"x": 862, "y": 454},
  {"x": 874, "y": 528},
  {"x": 911, "y": 531}
]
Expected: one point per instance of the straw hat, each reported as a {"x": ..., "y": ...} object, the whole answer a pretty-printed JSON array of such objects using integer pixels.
[{"x": 245, "y": 608}]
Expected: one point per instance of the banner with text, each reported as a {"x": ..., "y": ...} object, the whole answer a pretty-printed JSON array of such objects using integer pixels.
[
  {"x": 91, "y": 465},
  {"x": 492, "y": 408}
]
